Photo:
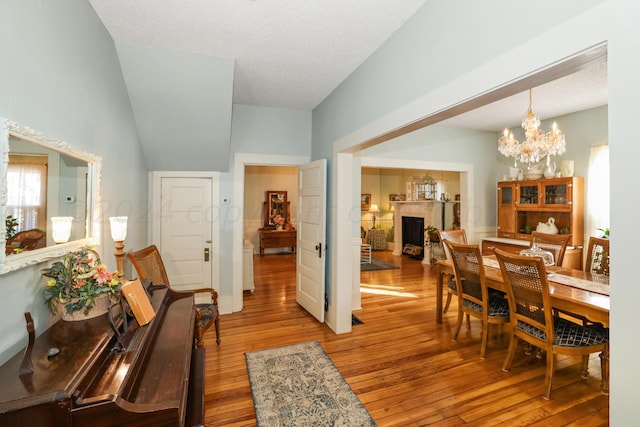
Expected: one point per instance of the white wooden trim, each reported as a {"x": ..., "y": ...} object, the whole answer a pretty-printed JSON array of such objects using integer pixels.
[{"x": 240, "y": 160}]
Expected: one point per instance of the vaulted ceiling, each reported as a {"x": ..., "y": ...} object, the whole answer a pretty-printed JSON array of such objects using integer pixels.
[{"x": 186, "y": 62}]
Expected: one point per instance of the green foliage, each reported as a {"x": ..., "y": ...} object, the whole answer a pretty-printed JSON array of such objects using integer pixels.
[
  {"x": 430, "y": 229},
  {"x": 12, "y": 226},
  {"x": 77, "y": 280},
  {"x": 390, "y": 236},
  {"x": 605, "y": 232}
]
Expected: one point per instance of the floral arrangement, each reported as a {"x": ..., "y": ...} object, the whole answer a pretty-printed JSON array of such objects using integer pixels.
[
  {"x": 278, "y": 220},
  {"x": 77, "y": 280}
]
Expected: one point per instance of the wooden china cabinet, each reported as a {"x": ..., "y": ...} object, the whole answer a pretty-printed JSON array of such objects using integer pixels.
[{"x": 523, "y": 204}]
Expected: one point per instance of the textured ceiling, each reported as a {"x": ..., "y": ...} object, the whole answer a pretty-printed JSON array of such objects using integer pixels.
[
  {"x": 288, "y": 53},
  {"x": 293, "y": 53},
  {"x": 579, "y": 91}
]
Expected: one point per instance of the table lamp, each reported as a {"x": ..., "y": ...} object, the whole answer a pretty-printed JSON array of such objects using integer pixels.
[
  {"x": 118, "y": 234},
  {"x": 61, "y": 226},
  {"x": 374, "y": 209}
]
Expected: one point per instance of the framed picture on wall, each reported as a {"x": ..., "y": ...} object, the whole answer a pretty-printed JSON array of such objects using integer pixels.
[
  {"x": 365, "y": 202},
  {"x": 395, "y": 197}
]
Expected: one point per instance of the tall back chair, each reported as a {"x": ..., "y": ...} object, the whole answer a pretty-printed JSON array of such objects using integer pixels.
[
  {"x": 554, "y": 243},
  {"x": 532, "y": 320},
  {"x": 148, "y": 264},
  {"x": 597, "y": 256},
  {"x": 474, "y": 298},
  {"x": 455, "y": 236}
]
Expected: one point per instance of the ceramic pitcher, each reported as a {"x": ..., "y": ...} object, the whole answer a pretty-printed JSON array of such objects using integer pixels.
[
  {"x": 514, "y": 173},
  {"x": 550, "y": 169}
]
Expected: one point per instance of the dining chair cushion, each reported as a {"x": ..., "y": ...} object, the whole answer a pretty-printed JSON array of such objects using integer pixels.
[
  {"x": 569, "y": 334},
  {"x": 209, "y": 312},
  {"x": 498, "y": 306}
]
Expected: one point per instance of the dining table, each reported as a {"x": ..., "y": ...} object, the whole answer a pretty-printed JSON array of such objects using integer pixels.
[{"x": 574, "y": 291}]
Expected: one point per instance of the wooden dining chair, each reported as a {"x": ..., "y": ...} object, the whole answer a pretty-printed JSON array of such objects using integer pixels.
[
  {"x": 533, "y": 322},
  {"x": 474, "y": 298},
  {"x": 597, "y": 256},
  {"x": 455, "y": 236},
  {"x": 149, "y": 265},
  {"x": 554, "y": 243}
]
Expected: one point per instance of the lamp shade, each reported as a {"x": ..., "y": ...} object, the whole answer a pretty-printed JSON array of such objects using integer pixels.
[
  {"x": 118, "y": 228},
  {"x": 61, "y": 226},
  {"x": 374, "y": 208}
]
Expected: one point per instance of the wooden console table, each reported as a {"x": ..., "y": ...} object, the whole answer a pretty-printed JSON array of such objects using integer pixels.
[{"x": 277, "y": 239}]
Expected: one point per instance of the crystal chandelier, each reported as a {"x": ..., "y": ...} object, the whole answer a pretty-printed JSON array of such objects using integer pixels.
[{"x": 537, "y": 144}]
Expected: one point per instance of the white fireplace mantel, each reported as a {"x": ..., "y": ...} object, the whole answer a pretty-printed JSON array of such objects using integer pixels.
[{"x": 429, "y": 210}]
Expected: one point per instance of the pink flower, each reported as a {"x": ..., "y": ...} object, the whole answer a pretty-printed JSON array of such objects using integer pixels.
[{"x": 102, "y": 276}]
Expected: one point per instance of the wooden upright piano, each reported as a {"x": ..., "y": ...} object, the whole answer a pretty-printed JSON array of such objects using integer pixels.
[{"x": 157, "y": 380}]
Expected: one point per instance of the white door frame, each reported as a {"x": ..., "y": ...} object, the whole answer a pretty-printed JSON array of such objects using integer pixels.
[
  {"x": 155, "y": 209},
  {"x": 240, "y": 160}
]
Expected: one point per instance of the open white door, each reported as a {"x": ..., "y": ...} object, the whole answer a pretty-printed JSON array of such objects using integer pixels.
[
  {"x": 186, "y": 233},
  {"x": 310, "y": 271}
]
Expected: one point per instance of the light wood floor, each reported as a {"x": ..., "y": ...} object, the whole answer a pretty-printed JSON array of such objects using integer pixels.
[{"x": 404, "y": 367}]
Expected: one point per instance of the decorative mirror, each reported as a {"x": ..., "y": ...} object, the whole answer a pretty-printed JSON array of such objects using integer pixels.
[
  {"x": 276, "y": 209},
  {"x": 42, "y": 178}
]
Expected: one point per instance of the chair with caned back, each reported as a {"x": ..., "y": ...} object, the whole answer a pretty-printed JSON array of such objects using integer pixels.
[
  {"x": 597, "y": 256},
  {"x": 533, "y": 321},
  {"x": 554, "y": 243},
  {"x": 474, "y": 298},
  {"x": 597, "y": 263},
  {"x": 454, "y": 236},
  {"x": 149, "y": 265}
]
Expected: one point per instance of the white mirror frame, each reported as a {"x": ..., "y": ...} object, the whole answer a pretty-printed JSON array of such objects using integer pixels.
[{"x": 92, "y": 236}]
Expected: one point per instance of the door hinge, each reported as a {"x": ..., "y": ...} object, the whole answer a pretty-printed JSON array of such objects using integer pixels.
[{"x": 326, "y": 302}]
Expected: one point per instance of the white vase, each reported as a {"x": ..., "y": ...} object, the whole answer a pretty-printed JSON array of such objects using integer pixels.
[{"x": 566, "y": 168}]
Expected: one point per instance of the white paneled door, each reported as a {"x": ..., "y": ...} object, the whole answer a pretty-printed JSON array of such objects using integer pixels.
[
  {"x": 186, "y": 235},
  {"x": 311, "y": 253}
]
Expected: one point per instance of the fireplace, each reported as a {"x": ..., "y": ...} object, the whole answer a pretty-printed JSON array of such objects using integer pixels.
[
  {"x": 413, "y": 234},
  {"x": 430, "y": 212}
]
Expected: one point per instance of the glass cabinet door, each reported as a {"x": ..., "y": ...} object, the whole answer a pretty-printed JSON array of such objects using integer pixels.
[
  {"x": 557, "y": 193},
  {"x": 506, "y": 195},
  {"x": 506, "y": 210},
  {"x": 528, "y": 195}
]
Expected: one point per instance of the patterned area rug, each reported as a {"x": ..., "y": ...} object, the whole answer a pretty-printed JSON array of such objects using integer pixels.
[
  {"x": 377, "y": 264},
  {"x": 298, "y": 385}
]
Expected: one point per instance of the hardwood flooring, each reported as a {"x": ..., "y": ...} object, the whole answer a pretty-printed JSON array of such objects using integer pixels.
[{"x": 403, "y": 366}]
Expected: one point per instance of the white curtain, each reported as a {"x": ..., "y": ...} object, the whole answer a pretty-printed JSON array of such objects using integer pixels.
[
  {"x": 598, "y": 190},
  {"x": 26, "y": 184}
]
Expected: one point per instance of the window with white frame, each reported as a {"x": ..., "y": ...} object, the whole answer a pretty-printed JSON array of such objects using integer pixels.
[
  {"x": 598, "y": 190},
  {"x": 27, "y": 191}
]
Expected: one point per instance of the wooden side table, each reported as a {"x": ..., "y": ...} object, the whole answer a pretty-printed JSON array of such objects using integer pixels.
[
  {"x": 376, "y": 239},
  {"x": 277, "y": 239}
]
